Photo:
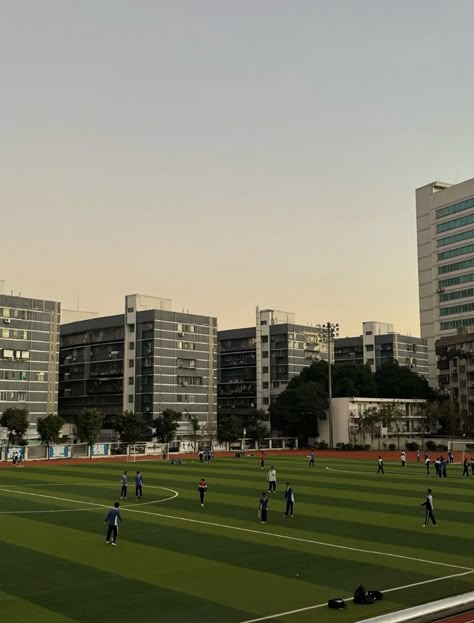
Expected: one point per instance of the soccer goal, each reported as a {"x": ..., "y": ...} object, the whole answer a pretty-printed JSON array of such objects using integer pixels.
[
  {"x": 460, "y": 450},
  {"x": 146, "y": 451}
]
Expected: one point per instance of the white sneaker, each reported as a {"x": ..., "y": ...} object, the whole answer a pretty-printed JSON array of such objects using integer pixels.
[
  {"x": 114, "y": 544},
  {"x": 423, "y": 525},
  {"x": 202, "y": 504}
]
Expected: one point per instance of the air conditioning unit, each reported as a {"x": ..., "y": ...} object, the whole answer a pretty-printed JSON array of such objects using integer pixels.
[
  {"x": 181, "y": 333},
  {"x": 7, "y": 320}
]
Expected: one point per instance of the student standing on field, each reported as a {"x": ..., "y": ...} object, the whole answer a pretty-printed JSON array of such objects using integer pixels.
[
  {"x": 138, "y": 485},
  {"x": 112, "y": 518},
  {"x": 429, "y": 507},
  {"x": 263, "y": 507},
  {"x": 290, "y": 500},
  {"x": 403, "y": 459},
  {"x": 427, "y": 463},
  {"x": 417, "y": 456},
  {"x": 465, "y": 469},
  {"x": 311, "y": 458},
  {"x": 380, "y": 465},
  {"x": 123, "y": 483},
  {"x": 202, "y": 488},
  {"x": 262, "y": 460},
  {"x": 272, "y": 480}
]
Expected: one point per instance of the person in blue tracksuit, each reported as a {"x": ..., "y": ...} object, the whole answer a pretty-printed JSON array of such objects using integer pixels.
[
  {"x": 263, "y": 507},
  {"x": 138, "y": 485},
  {"x": 112, "y": 518},
  {"x": 290, "y": 500}
]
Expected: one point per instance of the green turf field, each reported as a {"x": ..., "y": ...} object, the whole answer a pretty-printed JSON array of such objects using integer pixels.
[{"x": 178, "y": 562}]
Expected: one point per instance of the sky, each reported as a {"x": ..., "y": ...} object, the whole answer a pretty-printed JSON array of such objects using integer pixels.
[{"x": 227, "y": 154}]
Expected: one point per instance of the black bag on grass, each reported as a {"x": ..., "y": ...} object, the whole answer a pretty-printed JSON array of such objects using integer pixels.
[
  {"x": 361, "y": 596},
  {"x": 376, "y": 595},
  {"x": 337, "y": 604}
]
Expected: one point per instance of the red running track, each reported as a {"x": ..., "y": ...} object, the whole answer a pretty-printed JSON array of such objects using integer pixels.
[{"x": 466, "y": 617}]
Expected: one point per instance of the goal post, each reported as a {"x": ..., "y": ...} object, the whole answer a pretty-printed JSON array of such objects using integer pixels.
[{"x": 147, "y": 451}]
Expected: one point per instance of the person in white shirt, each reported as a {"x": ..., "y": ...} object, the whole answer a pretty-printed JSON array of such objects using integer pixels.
[
  {"x": 272, "y": 480},
  {"x": 429, "y": 507},
  {"x": 403, "y": 459}
]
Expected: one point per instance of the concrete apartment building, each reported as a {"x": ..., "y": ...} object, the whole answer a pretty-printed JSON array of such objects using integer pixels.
[
  {"x": 146, "y": 360},
  {"x": 455, "y": 355},
  {"x": 256, "y": 363},
  {"x": 29, "y": 355},
  {"x": 445, "y": 232},
  {"x": 379, "y": 343}
]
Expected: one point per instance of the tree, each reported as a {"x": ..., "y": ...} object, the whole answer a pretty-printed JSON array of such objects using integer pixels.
[
  {"x": 259, "y": 427},
  {"x": 229, "y": 428},
  {"x": 167, "y": 424},
  {"x": 130, "y": 426},
  {"x": 298, "y": 409},
  {"x": 193, "y": 428},
  {"x": 429, "y": 414},
  {"x": 16, "y": 422},
  {"x": 370, "y": 422},
  {"x": 395, "y": 381},
  {"x": 89, "y": 424},
  {"x": 393, "y": 418},
  {"x": 49, "y": 428}
]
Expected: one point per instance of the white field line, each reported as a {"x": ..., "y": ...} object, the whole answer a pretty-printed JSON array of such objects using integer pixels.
[
  {"x": 406, "y": 472},
  {"x": 249, "y": 530},
  {"x": 94, "y": 505},
  {"x": 323, "y": 605}
]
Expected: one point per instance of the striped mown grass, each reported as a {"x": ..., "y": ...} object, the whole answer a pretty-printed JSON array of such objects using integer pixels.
[{"x": 178, "y": 562}]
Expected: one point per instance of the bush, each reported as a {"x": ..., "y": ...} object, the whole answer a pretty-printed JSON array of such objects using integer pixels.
[
  {"x": 392, "y": 446},
  {"x": 367, "y": 446},
  {"x": 430, "y": 445},
  {"x": 470, "y": 446},
  {"x": 322, "y": 445},
  {"x": 412, "y": 445}
]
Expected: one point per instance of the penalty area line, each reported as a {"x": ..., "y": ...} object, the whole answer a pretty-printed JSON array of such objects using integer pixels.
[
  {"x": 387, "y": 590},
  {"x": 275, "y": 535}
]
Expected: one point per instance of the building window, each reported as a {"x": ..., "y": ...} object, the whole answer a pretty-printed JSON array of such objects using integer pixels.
[
  {"x": 368, "y": 332},
  {"x": 131, "y": 328},
  {"x": 5, "y": 333},
  {"x": 264, "y": 339},
  {"x": 265, "y": 369},
  {"x": 132, "y": 345},
  {"x": 449, "y": 268},
  {"x": 453, "y": 224},
  {"x": 276, "y": 385},
  {"x": 466, "y": 235},
  {"x": 186, "y": 345},
  {"x": 263, "y": 323},
  {"x": 130, "y": 310},
  {"x": 265, "y": 354},
  {"x": 456, "y": 309},
  {"x": 454, "y": 281},
  {"x": 130, "y": 399},
  {"x": 265, "y": 384},
  {"x": 455, "y": 208},
  {"x": 370, "y": 361},
  {"x": 266, "y": 401},
  {"x": 131, "y": 363},
  {"x": 40, "y": 376},
  {"x": 369, "y": 347},
  {"x": 131, "y": 380}
]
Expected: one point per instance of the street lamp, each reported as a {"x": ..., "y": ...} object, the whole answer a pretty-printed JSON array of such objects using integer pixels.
[{"x": 331, "y": 331}]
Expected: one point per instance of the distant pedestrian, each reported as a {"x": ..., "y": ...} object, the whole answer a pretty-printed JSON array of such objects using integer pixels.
[
  {"x": 451, "y": 456},
  {"x": 311, "y": 458},
  {"x": 272, "y": 480},
  {"x": 123, "y": 486},
  {"x": 465, "y": 469},
  {"x": 201, "y": 456},
  {"x": 202, "y": 488},
  {"x": 138, "y": 485},
  {"x": 437, "y": 465},
  {"x": 418, "y": 456},
  {"x": 262, "y": 460},
  {"x": 380, "y": 465},
  {"x": 290, "y": 500},
  {"x": 444, "y": 465},
  {"x": 427, "y": 464},
  {"x": 263, "y": 508},
  {"x": 403, "y": 459},
  {"x": 112, "y": 518},
  {"x": 429, "y": 507}
]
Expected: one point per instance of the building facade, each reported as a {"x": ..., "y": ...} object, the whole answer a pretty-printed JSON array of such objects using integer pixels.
[
  {"x": 146, "y": 360},
  {"x": 378, "y": 344},
  {"x": 347, "y": 414},
  {"x": 256, "y": 363},
  {"x": 445, "y": 233},
  {"x": 455, "y": 354},
  {"x": 29, "y": 355}
]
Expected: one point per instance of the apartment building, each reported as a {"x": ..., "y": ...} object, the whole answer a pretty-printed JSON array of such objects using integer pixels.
[
  {"x": 256, "y": 363},
  {"x": 378, "y": 344},
  {"x": 29, "y": 355},
  {"x": 148, "y": 359}
]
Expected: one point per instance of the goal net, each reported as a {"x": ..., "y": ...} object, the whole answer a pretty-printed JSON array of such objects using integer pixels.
[{"x": 146, "y": 451}]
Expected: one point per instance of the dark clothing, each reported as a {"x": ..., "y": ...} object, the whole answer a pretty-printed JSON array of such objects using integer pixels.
[
  {"x": 272, "y": 485},
  {"x": 123, "y": 491},
  {"x": 311, "y": 459},
  {"x": 202, "y": 488},
  {"x": 263, "y": 509},
  {"x": 380, "y": 468},
  {"x": 466, "y": 469},
  {"x": 290, "y": 502},
  {"x": 428, "y": 504},
  {"x": 138, "y": 486},
  {"x": 112, "y": 531}
]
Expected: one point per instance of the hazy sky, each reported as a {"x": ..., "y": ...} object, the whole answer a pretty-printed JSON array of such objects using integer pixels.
[{"x": 229, "y": 153}]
